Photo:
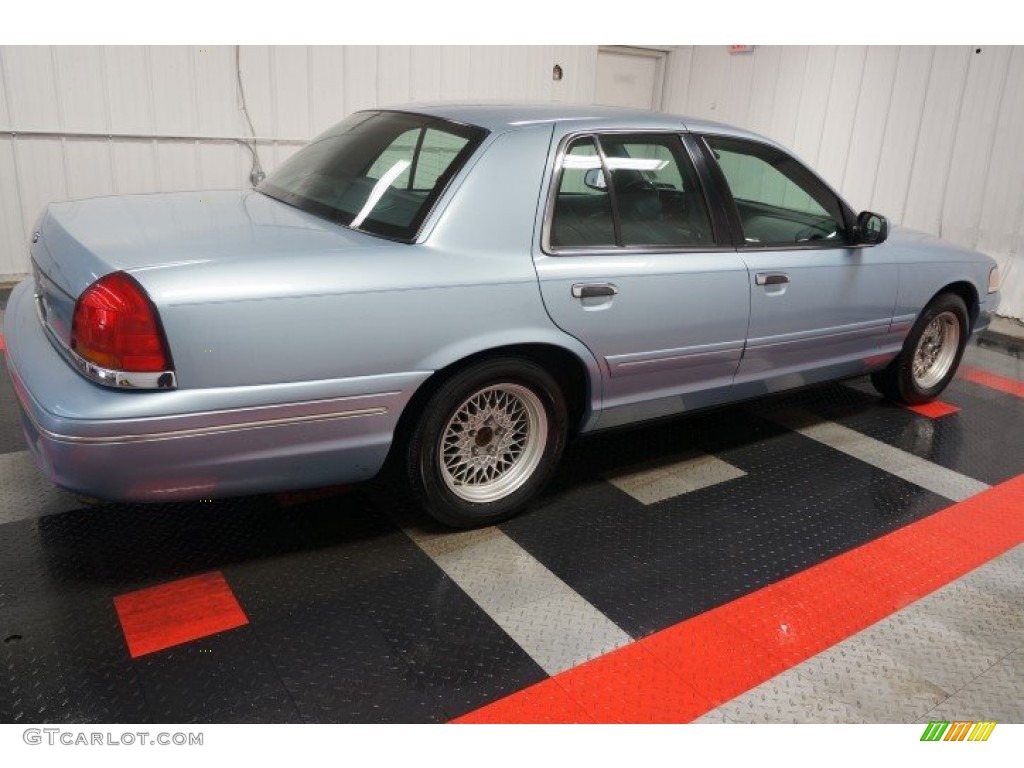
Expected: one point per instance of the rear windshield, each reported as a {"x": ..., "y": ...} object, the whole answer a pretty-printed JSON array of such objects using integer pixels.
[{"x": 379, "y": 172}]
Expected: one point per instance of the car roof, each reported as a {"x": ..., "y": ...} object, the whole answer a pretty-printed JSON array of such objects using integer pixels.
[{"x": 502, "y": 117}]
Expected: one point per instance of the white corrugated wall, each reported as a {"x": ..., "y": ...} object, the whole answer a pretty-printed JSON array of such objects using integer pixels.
[
  {"x": 929, "y": 136},
  {"x": 80, "y": 121}
]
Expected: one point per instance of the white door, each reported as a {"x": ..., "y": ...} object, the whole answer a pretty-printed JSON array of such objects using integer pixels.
[{"x": 629, "y": 78}]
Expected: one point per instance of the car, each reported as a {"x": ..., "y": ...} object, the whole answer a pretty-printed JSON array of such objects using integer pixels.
[{"x": 459, "y": 290}]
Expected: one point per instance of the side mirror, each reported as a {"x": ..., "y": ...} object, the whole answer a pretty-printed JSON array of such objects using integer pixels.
[
  {"x": 594, "y": 179},
  {"x": 872, "y": 228}
]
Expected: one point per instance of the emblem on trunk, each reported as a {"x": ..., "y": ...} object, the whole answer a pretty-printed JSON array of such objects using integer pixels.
[{"x": 35, "y": 237}]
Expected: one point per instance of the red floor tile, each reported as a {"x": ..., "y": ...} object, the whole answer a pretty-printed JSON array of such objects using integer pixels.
[
  {"x": 545, "y": 702},
  {"x": 679, "y": 673},
  {"x": 711, "y": 656},
  {"x": 783, "y": 626},
  {"x": 992, "y": 381},
  {"x": 896, "y": 570},
  {"x": 171, "y": 614},
  {"x": 985, "y": 525},
  {"x": 631, "y": 685},
  {"x": 933, "y": 410}
]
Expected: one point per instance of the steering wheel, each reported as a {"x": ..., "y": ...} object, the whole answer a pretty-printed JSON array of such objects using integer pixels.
[
  {"x": 320, "y": 187},
  {"x": 812, "y": 233},
  {"x": 632, "y": 184}
]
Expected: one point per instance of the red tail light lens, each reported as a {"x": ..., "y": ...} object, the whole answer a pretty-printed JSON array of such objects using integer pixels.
[{"x": 116, "y": 327}]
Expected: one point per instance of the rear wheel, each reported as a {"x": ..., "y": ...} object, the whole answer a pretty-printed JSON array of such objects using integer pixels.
[
  {"x": 930, "y": 355},
  {"x": 486, "y": 442}
]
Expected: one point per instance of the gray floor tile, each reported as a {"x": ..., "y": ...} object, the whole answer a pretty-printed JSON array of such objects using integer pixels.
[
  {"x": 561, "y": 631},
  {"x": 943, "y": 657},
  {"x": 996, "y": 695},
  {"x": 1001, "y": 578},
  {"x": 991, "y": 622},
  {"x": 549, "y": 620},
  {"x": 930, "y": 649},
  {"x": 502, "y": 577},
  {"x": 788, "y": 698},
  {"x": 650, "y": 483},
  {"x": 714, "y": 717},
  {"x": 875, "y": 685}
]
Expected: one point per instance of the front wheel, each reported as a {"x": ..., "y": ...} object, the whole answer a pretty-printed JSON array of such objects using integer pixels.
[
  {"x": 930, "y": 355},
  {"x": 486, "y": 442}
]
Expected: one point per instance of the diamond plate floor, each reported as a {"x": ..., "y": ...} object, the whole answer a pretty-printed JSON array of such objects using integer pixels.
[
  {"x": 360, "y": 610},
  {"x": 957, "y": 654}
]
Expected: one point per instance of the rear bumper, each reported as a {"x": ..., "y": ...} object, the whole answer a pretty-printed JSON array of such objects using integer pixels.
[{"x": 192, "y": 444}]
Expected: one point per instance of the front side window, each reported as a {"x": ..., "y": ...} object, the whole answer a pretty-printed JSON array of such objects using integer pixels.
[
  {"x": 629, "y": 190},
  {"x": 380, "y": 172},
  {"x": 779, "y": 201}
]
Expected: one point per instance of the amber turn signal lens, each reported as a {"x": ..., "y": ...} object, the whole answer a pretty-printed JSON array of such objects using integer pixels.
[{"x": 993, "y": 280}]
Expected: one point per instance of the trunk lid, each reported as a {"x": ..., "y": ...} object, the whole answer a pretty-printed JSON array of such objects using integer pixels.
[{"x": 78, "y": 242}]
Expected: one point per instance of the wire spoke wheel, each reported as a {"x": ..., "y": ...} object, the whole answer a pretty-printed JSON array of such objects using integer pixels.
[
  {"x": 936, "y": 350},
  {"x": 930, "y": 354},
  {"x": 493, "y": 442}
]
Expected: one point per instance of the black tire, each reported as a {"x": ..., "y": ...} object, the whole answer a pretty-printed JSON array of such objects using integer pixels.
[
  {"x": 520, "y": 392},
  {"x": 898, "y": 381}
]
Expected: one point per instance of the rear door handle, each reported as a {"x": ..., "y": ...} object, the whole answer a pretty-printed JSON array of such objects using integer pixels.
[
  {"x": 593, "y": 290},
  {"x": 771, "y": 278}
]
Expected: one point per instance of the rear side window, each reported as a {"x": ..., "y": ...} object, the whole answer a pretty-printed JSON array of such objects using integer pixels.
[
  {"x": 380, "y": 172},
  {"x": 583, "y": 210},
  {"x": 628, "y": 190},
  {"x": 659, "y": 200}
]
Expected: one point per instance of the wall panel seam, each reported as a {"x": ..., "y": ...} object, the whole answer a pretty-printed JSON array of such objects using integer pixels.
[
  {"x": 885, "y": 126},
  {"x": 917, "y": 138},
  {"x": 831, "y": 89},
  {"x": 856, "y": 108},
  {"x": 14, "y": 149},
  {"x": 953, "y": 143},
  {"x": 976, "y": 228}
]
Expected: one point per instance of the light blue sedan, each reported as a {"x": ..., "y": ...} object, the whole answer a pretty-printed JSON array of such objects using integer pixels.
[{"x": 461, "y": 289}]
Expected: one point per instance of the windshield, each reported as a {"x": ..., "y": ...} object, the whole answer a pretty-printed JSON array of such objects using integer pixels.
[{"x": 380, "y": 172}]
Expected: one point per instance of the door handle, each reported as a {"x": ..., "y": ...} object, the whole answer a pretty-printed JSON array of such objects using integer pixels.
[
  {"x": 771, "y": 278},
  {"x": 593, "y": 290}
]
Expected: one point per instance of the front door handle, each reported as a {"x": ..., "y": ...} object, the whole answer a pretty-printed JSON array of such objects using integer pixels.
[
  {"x": 771, "y": 278},
  {"x": 593, "y": 290}
]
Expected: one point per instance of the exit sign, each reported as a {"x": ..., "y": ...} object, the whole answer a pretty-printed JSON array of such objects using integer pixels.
[{"x": 741, "y": 49}]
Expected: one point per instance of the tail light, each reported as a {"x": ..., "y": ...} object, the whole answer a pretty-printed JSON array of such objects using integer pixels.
[{"x": 115, "y": 326}]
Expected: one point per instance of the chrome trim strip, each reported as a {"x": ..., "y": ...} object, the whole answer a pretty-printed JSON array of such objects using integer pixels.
[
  {"x": 901, "y": 324},
  {"x": 105, "y": 376},
  {"x": 756, "y": 248},
  {"x": 635, "y": 250},
  {"x": 648, "y": 362},
  {"x": 869, "y": 328},
  {"x": 203, "y": 431}
]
